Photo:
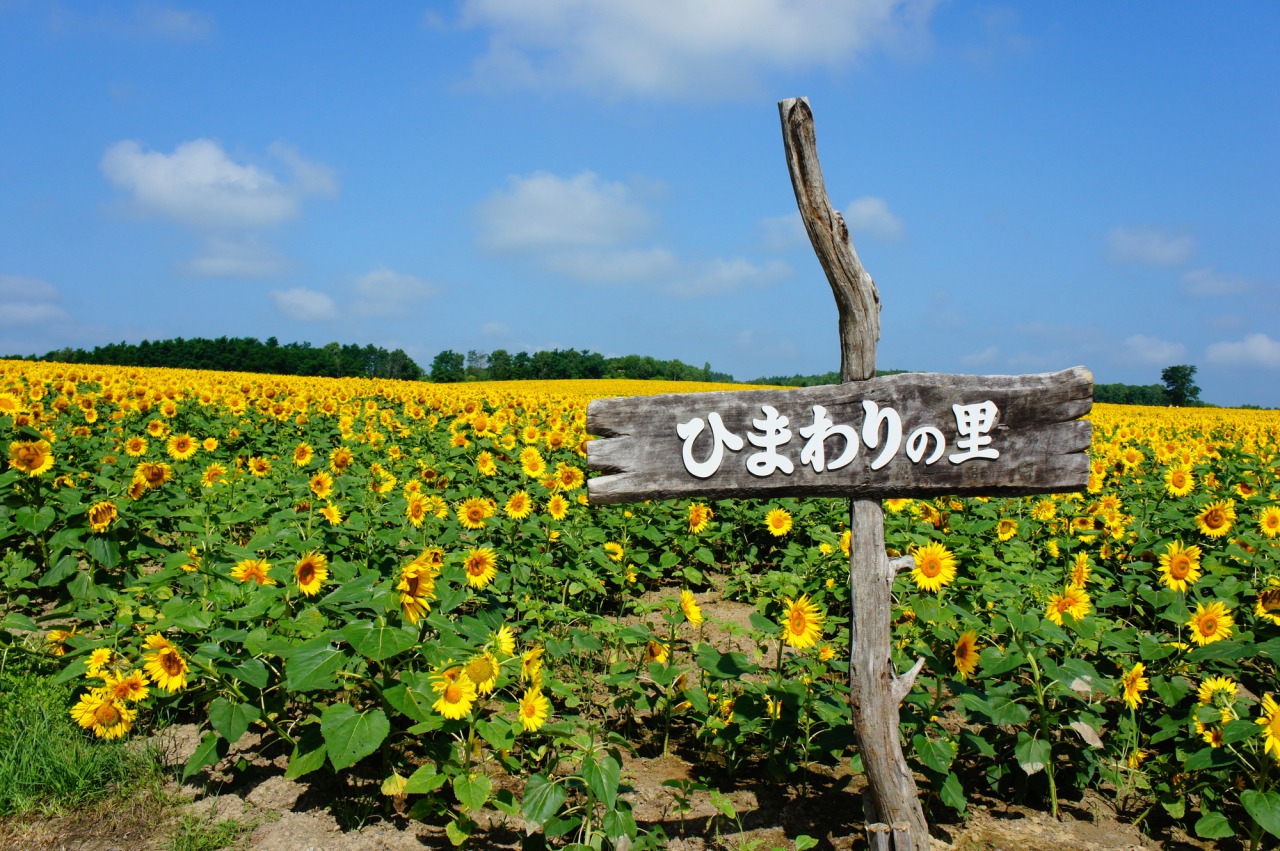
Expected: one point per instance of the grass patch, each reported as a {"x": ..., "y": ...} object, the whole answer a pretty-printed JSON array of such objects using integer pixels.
[
  {"x": 196, "y": 833},
  {"x": 48, "y": 764}
]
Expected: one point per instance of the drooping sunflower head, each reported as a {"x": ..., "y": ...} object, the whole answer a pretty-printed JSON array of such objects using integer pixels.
[
  {"x": 33, "y": 457},
  {"x": 1215, "y": 519},
  {"x": 689, "y": 606},
  {"x": 965, "y": 654}
]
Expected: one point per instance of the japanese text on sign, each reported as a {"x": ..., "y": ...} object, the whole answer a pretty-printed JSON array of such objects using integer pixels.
[{"x": 882, "y": 430}]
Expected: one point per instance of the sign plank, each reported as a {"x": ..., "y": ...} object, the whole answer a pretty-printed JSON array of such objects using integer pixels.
[{"x": 908, "y": 435}]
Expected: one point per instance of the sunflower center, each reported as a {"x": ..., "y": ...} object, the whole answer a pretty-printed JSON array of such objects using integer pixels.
[
  {"x": 930, "y": 567},
  {"x": 1208, "y": 625},
  {"x": 1179, "y": 567},
  {"x": 798, "y": 622},
  {"x": 1178, "y": 480},
  {"x": 172, "y": 665},
  {"x": 453, "y": 693},
  {"x": 106, "y": 715},
  {"x": 1215, "y": 519}
]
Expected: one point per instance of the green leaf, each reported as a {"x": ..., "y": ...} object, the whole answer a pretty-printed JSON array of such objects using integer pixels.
[
  {"x": 60, "y": 572},
  {"x": 311, "y": 666},
  {"x": 472, "y": 790},
  {"x": 602, "y": 777},
  {"x": 104, "y": 551},
  {"x": 542, "y": 799},
  {"x": 952, "y": 793},
  {"x": 232, "y": 720},
  {"x": 1239, "y": 730},
  {"x": 350, "y": 736},
  {"x": 724, "y": 666},
  {"x": 1228, "y": 649},
  {"x": 425, "y": 780},
  {"x": 252, "y": 672},
  {"x": 1032, "y": 754},
  {"x": 1209, "y": 757},
  {"x": 211, "y": 749},
  {"x": 377, "y": 642},
  {"x": 1214, "y": 826},
  {"x": 804, "y": 842},
  {"x": 1004, "y": 711},
  {"x": 1264, "y": 808},
  {"x": 934, "y": 754},
  {"x": 33, "y": 520},
  {"x": 308, "y": 754},
  {"x": 458, "y": 831}
]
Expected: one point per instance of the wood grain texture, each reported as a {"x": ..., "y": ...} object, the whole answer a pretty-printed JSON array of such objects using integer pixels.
[{"x": 1041, "y": 441}]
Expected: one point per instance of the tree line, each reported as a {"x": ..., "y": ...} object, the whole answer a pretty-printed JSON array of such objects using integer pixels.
[
  {"x": 246, "y": 354},
  {"x": 551, "y": 364}
]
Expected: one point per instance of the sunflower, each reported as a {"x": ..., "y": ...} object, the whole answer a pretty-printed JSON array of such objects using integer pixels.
[
  {"x": 531, "y": 462},
  {"x": 519, "y": 506},
  {"x": 332, "y": 513},
  {"x": 415, "y": 509},
  {"x": 1210, "y": 623},
  {"x": 164, "y": 664},
  {"x": 311, "y": 571},
  {"x": 457, "y": 694},
  {"x": 181, "y": 447},
  {"x": 481, "y": 566},
  {"x": 568, "y": 477},
  {"x": 302, "y": 454},
  {"x": 657, "y": 651},
  {"x": 1044, "y": 510},
  {"x": 417, "y": 588},
  {"x": 135, "y": 446},
  {"x": 614, "y": 550},
  {"x": 483, "y": 670},
  {"x": 965, "y": 654},
  {"x": 341, "y": 459},
  {"x": 1219, "y": 692},
  {"x": 689, "y": 606},
  {"x": 557, "y": 507},
  {"x": 1179, "y": 480},
  {"x": 101, "y": 515},
  {"x": 1072, "y": 601},
  {"x": 485, "y": 465},
  {"x": 474, "y": 511},
  {"x": 1215, "y": 519},
  {"x": 252, "y": 570},
  {"x": 1268, "y": 604},
  {"x": 1134, "y": 684},
  {"x": 259, "y": 466},
  {"x": 151, "y": 475},
  {"x": 1269, "y": 521},
  {"x": 531, "y": 665},
  {"x": 935, "y": 567},
  {"x": 1080, "y": 570},
  {"x": 1180, "y": 566},
  {"x": 802, "y": 623},
  {"x": 100, "y": 711},
  {"x": 1270, "y": 720},
  {"x": 321, "y": 484},
  {"x": 1006, "y": 528},
  {"x": 57, "y": 640},
  {"x": 33, "y": 457},
  {"x": 132, "y": 687},
  {"x": 212, "y": 474},
  {"x": 778, "y": 522},
  {"x": 504, "y": 640},
  {"x": 699, "y": 516},
  {"x": 534, "y": 709},
  {"x": 99, "y": 659}
]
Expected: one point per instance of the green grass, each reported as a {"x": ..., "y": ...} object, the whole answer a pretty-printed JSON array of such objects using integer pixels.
[
  {"x": 48, "y": 764},
  {"x": 194, "y": 833}
]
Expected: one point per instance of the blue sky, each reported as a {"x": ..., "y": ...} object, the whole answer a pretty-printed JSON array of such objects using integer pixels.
[{"x": 1033, "y": 186}]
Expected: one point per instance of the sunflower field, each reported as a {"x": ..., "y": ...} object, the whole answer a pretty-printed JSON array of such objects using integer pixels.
[{"x": 404, "y": 581}]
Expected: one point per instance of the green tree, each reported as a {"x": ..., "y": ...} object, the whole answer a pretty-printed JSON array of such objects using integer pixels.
[
  {"x": 448, "y": 367},
  {"x": 1179, "y": 383}
]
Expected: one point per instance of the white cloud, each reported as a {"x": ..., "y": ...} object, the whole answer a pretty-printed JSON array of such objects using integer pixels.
[
  {"x": 240, "y": 257},
  {"x": 1253, "y": 350},
  {"x": 495, "y": 329},
  {"x": 199, "y": 185},
  {"x": 305, "y": 305},
  {"x": 546, "y": 211},
  {"x": 782, "y": 233},
  {"x": 1153, "y": 350},
  {"x": 722, "y": 276},
  {"x": 1209, "y": 282},
  {"x": 1149, "y": 246},
  {"x": 383, "y": 292},
  {"x": 615, "y": 266},
  {"x": 657, "y": 48},
  {"x": 148, "y": 21},
  {"x": 986, "y": 357},
  {"x": 871, "y": 215},
  {"x": 29, "y": 301}
]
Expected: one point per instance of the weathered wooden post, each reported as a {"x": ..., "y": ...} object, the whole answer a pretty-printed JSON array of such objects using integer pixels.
[{"x": 869, "y": 438}]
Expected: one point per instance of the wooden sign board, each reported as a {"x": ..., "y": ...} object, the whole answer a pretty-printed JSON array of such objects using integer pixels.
[{"x": 908, "y": 435}]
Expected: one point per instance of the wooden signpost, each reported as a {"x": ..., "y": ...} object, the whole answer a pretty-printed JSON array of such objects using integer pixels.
[{"x": 909, "y": 435}]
